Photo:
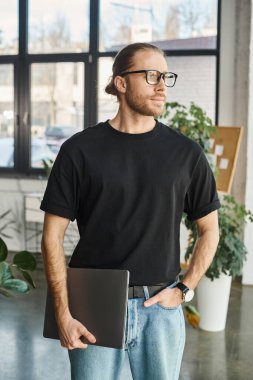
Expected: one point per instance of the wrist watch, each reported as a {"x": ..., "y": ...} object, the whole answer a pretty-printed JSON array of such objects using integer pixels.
[{"x": 187, "y": 294}]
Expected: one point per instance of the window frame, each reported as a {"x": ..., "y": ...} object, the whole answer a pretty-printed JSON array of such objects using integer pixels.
[{"x": 22, "y": 82}]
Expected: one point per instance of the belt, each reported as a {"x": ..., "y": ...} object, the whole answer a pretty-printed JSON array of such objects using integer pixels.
[{"x": 138, "y": 291}]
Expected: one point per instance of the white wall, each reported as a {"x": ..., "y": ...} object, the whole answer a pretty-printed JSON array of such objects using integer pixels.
[
  {"x": 227, "y": 63},
  {"x": 248, "y": 235}
]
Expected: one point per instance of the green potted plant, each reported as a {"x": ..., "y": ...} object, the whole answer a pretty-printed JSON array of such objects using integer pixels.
[
  {"x": 22, "y": 263},
  {"x": 214, "y": 288},
  {"x": 193, "y": 122},
  {"x": 231, "y": 251}
]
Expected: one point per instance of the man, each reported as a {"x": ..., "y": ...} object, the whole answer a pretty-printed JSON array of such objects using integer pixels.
[{"x": 127, "y": 182}]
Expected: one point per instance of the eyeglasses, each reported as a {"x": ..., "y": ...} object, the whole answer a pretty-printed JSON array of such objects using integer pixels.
[{"x": 153, "y": 77}]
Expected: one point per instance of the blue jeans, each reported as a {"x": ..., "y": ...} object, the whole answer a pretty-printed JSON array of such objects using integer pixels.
[{"x": 155, "y": 338}]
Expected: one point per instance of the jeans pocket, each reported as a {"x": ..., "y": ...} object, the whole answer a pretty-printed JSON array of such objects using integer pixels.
[
  {"x": 167, "y": 307},
  {"x": 173, "y": 285}
]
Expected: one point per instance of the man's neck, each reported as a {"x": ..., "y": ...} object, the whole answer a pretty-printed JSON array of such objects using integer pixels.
[{"x": 129, "y": 123}]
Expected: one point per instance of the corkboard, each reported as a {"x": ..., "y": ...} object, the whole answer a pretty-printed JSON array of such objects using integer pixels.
[{"x": 224, "y": 149}]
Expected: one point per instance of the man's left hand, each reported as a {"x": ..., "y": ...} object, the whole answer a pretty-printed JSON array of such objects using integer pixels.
[{"x": 168, "y": 297}]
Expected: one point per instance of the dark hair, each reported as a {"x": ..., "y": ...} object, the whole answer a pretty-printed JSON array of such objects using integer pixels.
[{"x": 124, "y": 60}]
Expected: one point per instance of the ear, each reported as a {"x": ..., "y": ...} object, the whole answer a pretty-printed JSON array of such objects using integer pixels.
[{"x": 120, "y": 84}]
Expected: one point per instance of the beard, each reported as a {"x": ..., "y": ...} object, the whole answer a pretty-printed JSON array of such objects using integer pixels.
[{"x": 139, "y": 104}]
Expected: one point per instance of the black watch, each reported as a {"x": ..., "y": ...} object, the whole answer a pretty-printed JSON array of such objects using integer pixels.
[{"x": 187, "y": 294}]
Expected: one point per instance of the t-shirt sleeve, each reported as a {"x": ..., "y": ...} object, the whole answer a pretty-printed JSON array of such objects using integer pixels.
[
  {"x": 201, "y": 197},
  {"x": 62, "y": 193}
]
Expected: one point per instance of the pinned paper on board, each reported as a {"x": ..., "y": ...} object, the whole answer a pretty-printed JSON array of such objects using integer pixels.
[
  {"x": 219, "y": 150},
  {"x": 223, "y": 154},
  {"x": 224, "y": 163}
]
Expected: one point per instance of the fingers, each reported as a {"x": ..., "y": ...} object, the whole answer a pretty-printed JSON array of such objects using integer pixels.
[
  {"x": 151, "y": 301},
  {"x": 167, "y": 297},
  {"x": 75, "y": 340},
  {"x": 71, "y": 344},
  {"x": 88, "y": 335},
  {"x": 158, "y": 297},
  {"x": 76, "y": 336}
]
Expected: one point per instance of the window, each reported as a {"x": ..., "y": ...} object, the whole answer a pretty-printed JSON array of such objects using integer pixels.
[
  {"x": 107, "y": 104},
  {"x": 6, "y": 116},
  {"x": 175, "y": 24},
  {"x": 8, "y": 27},
  {"x": 58, "y": 26},
  {"x": 177, "y": 27},
  {"x": 56, "y": 114},
  {"x": 56, "y": 58},
  {"x": 196, "y": 81}
]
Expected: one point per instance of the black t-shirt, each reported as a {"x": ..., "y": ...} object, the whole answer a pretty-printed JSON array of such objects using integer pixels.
[{"x": 127, "y": 193}]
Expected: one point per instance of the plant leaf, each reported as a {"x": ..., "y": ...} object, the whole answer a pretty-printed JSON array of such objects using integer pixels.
[
  {"x": 5, "y": 272},
  {"x": 3, "y": 250},
  {"x": 192, "y": 318},
  {"x": 16, "y": 285},
  {"x": 25, "y": 260},
  {"x": 192, "y": 309},
  {"x": 28, "y": 278}
]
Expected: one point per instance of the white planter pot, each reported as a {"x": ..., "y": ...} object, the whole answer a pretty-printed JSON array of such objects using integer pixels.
[{"x": 212, "y": 302}]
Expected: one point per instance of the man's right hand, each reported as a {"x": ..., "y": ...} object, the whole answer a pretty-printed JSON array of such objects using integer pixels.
[{"x": 71, "y": 332}]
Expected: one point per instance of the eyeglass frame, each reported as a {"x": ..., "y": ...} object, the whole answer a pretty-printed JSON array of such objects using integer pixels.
[{"x": 161, "y": 75}]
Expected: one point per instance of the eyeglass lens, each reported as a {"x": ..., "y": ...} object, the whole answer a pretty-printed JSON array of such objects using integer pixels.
[{"x": 153, "y": 77}]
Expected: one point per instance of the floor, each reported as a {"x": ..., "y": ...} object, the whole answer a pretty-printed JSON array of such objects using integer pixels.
[{"x": 26, "y": 355}]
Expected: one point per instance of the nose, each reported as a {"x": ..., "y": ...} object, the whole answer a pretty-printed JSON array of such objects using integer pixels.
[{"x": 161, "y": 84}]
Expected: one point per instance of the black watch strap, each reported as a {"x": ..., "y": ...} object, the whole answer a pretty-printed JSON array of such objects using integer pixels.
[{"x": 182, "y": 287}]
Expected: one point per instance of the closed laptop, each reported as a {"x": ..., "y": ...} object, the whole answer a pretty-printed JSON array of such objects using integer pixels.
[{"x": 98, "y": 299}]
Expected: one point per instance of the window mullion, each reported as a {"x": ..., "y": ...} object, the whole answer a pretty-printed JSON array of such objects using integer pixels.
[
  {"x": 92, "y": 67},
  {"x": 23, "y": 127}
]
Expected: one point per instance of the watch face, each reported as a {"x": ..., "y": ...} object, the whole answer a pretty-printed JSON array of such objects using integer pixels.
[{"x": 189, "y": 295}]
